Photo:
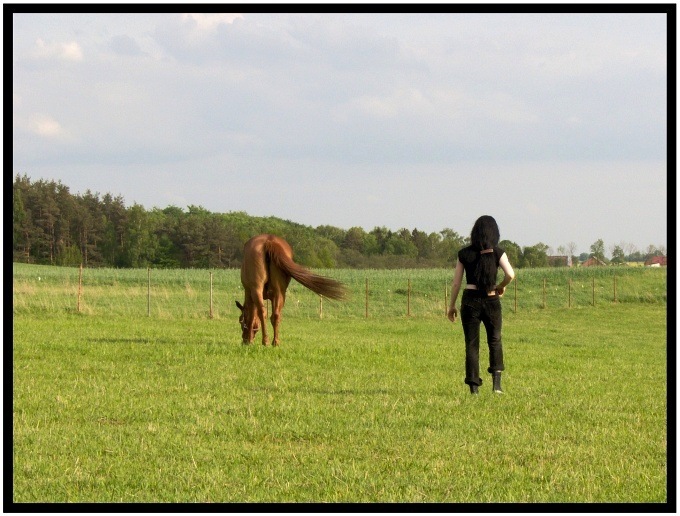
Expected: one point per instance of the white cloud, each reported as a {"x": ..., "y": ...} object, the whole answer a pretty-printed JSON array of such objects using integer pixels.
[
  {"x": 45, "y": 125},
  {"x": 209, "y": 22},
  {"x": 70, "y": 51},
  {"x": 219, "y": 94}
]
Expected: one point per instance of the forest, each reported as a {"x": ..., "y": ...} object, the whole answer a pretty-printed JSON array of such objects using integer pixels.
[{"x": 53, "y": 226}]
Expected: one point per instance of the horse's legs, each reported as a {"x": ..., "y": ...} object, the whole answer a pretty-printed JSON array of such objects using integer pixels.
[
  {"x": 252, "y": 314},
  {"x": 262, "y": 316},
  {"x": 257, "y": 312},
  {"x": 277, "y": 308}
]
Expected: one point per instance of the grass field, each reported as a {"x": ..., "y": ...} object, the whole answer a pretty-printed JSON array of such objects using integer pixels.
[
  {"x": 110, "y": 405},
  {"x": 185, "y": 293}
]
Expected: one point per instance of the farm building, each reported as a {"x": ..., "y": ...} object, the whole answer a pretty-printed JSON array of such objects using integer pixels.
[
  {"x": 657, "y": 261},
  {"x": 593, "y": 262}
]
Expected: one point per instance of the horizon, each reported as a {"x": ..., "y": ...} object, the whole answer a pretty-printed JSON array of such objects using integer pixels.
[{"x": 551, "y": 251}]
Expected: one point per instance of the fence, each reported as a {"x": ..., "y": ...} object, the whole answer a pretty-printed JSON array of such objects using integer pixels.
[{"x": 375, "y": 293}]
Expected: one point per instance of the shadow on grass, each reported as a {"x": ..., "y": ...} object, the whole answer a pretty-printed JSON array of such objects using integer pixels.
[{"x": 131, "y": 340}]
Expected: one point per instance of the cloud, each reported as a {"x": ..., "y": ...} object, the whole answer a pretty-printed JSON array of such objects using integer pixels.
[
  {"x": 218, "y": 93},
  {"x": 69, "y": 51},
  {"x": 45, "y": 125},
  {"x": 209, "y": 22}
]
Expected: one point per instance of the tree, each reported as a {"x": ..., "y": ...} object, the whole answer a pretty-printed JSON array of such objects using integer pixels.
[
  {"x": 424, "y": 245},
  {"x": 113, "y": 235},
  {"x": 451, "y": 242},
  {"x": 191, "y": 238},
  {"x": 354, "y": 239},
  {"x": 19, "y": 218},
  {"x": 618, "y": 256},
  {"x": 513, "y": 251},
  {"x": 141, "y": 238},
  {"x": 68, "y": 252},
  {"x": 597, "y": 250},
  {"x": 50, "y": 225},
  {"x": 571, "y": 249},
  {"x": 400, "y": 244},
  {"x": 631, "y": 251},
  {"x": 535, "y": 256},
  {"x": 652, "y": 251},
  {"x": 381, "y": 235},
  {"x": 89, "y": 223},
  {"x": 337, "y": 235}
]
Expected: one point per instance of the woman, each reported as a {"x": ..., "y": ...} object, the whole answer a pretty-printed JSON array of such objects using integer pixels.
[{"x": 481, "y": 299}]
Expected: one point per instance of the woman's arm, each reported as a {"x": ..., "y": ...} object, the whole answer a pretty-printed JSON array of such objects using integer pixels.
[
  {"x": 455, "y": 289},
  {"x": 504, "y": 264}
]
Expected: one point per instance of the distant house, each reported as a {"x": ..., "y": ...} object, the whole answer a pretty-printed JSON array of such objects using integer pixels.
[
  {"x": 657, "y": 261},
  {"x": 593, "y": 262},
  {"x": 559, "y": 261}
]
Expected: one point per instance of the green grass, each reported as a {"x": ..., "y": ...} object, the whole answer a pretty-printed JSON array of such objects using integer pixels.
[
  {"x": 117, "y": 406},
  {"x": 185, "y": 293}
]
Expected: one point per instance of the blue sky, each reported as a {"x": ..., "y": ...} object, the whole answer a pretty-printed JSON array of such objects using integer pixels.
[{"x": 555, "y": 124}]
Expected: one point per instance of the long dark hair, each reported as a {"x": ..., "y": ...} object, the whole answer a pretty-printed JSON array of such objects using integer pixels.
[{"x": 484, "y": 236}]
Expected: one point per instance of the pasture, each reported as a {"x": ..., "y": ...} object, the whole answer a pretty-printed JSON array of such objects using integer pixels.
[{"x": 112, "y": 405}]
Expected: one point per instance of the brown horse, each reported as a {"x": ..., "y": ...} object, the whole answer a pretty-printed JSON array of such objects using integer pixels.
[{"x": 266, "y": 271}]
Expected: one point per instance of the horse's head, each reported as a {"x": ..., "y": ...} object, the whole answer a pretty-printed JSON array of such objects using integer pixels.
[{"x": 246, "y": 320}]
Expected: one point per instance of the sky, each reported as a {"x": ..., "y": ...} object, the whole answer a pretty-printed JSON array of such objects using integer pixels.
[{"x": 555, "y": 124}]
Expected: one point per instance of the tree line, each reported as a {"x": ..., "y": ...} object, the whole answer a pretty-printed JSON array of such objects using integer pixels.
[{"x": 53, "y": 226}]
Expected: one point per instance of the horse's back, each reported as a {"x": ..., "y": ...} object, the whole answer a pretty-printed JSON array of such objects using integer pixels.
[
  {"x": 257, "y": 248},
  {"x": 256, "y": 269}
]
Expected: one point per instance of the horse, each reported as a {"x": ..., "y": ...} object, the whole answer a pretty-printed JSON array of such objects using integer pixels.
[{"x": 265, "y": 274}]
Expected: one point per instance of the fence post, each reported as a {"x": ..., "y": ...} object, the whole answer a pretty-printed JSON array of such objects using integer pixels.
[
  {"x": 516, "y": 295},
  {"x": 80, "y": 286},
  {"x": 320, "y": 307},
  {"x": 211, "y": 295},
  {"x": 446, "y": 300}
]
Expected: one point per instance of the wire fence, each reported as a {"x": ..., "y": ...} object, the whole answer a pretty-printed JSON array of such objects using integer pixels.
[{"x": 194, "y": 293}]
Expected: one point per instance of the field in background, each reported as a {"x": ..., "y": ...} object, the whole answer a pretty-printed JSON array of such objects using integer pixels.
[
  {"x": 112, "y": 405},
  {"x": 391, "y": 293}
]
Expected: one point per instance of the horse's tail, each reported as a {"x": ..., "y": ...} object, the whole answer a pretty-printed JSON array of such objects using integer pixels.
[{"x": 321, "y": 285}]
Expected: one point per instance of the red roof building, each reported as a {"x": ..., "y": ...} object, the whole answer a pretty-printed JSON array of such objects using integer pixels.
[
  {"x": 657, "y": 261},
  {"x": 593, "y": 262}
]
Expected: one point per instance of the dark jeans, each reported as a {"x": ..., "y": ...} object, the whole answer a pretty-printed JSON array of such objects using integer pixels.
[{"x": 479, "y": 308}]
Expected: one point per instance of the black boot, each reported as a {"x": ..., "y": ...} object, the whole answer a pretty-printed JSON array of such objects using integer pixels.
[
  {"x": 474, "y": 389},
  {"x": 497, "y": 382}
]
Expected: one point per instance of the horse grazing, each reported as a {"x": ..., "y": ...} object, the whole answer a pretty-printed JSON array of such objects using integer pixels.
[{"x": 266, "y": 271}]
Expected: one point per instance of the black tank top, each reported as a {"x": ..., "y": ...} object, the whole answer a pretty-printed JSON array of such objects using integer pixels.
[{"x": 469, "y": 257}]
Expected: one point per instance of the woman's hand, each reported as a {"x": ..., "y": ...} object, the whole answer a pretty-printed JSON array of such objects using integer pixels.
[
  {"x": 452, "y": 314},
  {"x": 500, "y": 291}
]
